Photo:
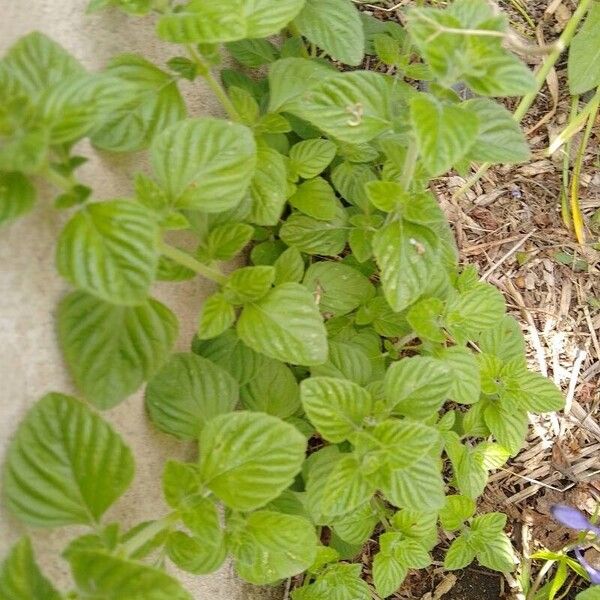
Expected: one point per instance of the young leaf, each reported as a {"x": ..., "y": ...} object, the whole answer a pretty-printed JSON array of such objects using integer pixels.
[
  {"x": 310, "y": 158},
  {"x": 115, "y": 578},
  {"x": 504, "y": 340},
  {"x": 507, "y": 424},
  {"x": 357, "y": 526},
  {"x": 153, "y": 102},
  {"x": 500, "y": 139},
  {"x": 268, "y": 188},
  {"x": 200, "y": 21},
  {"x": 334, "y": 26},
  {"x": 285, "y": 325},
  {"x": 17, "y": 196},
  {"x": 204, "y": 164},
  {"x": 337, "y": 408},
  {"x": 351, "y": 182},
  {"x": 388, "y": 574},
  {"x": 316, "y": 199},
  {"x": 314, "y": 236},
  {"x": 269, "y": 546},
  {"x": 346, "y": 487},
  {"x": 533, "y": 392},
  {"x": 225, "y": 241},
  {"x": 444, "y": 132},
  {"x": 110, "y": 350},
  {"x": 109, "y": 250},
  {"x": 78, "y": 464},
  {"x": 274, "y": 391},
  {"x": 425, "y": 317},
  {"x": 407, "y": 257},
  {"x": 21, "y": 578},
  {"x": 180, "y": 482},
  {"x": 353, "y": 107},
  {"x": 247, "y": 459},
  {"x": 217, "y": 315},
  {"x": 187, "y": 392},
  {"x": 345, "y": 360},
  {"x": 339, "y": 288},
  {"x": 198, "y": 555},
  {"x": 584, "y": 54},
  {"x": 417, "y": 386},
  {"x": 464, "y": 372}
]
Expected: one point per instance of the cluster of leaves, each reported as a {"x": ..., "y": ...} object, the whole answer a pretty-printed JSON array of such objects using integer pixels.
[{"x": 353, "y": 331}]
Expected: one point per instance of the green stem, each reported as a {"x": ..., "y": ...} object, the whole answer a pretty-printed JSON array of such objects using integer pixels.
[
  {"x": 213, "y": 83},
  {"x": 564, "y": 194},
  {"x": 183, "y": 258},
  {"x": 59, "y": 181},
  {"x": 540, "y": 77},
  {"x": 148, "y": 533}
]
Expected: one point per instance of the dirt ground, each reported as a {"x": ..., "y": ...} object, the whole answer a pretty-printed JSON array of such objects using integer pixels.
[{"x": 510, "y": 225}]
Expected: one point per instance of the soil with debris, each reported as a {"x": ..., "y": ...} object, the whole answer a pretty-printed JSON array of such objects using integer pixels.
[{"x": 510, "y": 225}]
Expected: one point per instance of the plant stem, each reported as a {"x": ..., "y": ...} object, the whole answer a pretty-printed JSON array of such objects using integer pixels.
[
  {"x": 183, "y": 258},
  {"x": 149, "y": 532},
  {"x": 213, "y": 83},
  {"x": 540, "y": 77},
  {"x": 564, "y": 193},
  {"x": 59, "y": 181}
]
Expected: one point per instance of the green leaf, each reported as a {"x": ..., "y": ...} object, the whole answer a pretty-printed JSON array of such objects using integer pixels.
[
  {"x": 533, "y": 392},
  {"x": 340, "y": 581},
  {"x": 408, "y": 552},
  {"x": 334, "y": 26},
  {"x": 508, "y": 425},
  {"x": 500, "y": 139},
  {"x": 310, "y": 158},
  {"x": 504, "y": 340},
  {"x": 274, "y": 391},
  {"x": 584, "y": 54},
  {"x": 65, "y": 465},
  {"x": 198, "y": 555},
  {"x": 152, "y": 103},
  {"x": 291, "y": 77},
  {"x": 385, "y": 195},
  {"x": 205, "y": 550},
  {"x": 100, "y": 575},
  {"x": 110, "y": 350},
  {"x": 493, "y": 546},
  {"x": 464, "y": 372},
  {"x": 21, "y": 578},
  {"x": 313, "y": 236},
  {"x": 249, "y": 284},
  {"x": 253, "y": 53},
  {"x": 357, "y": 526},
  {"x": 201, "y": 21},
  {"x": 268, "y": 188},
  {"x": 351, "y": 182},
  {"x": 336, "y": 407},
  {"x": 459, "y": 555},
  {"x": 217, "y": 315},
  {"x": 35, "y": 63},
  {"x": 247, "y": 459},
  {"x": 346, "y": 360},
  {"x": 316, "y": 199},
  {"x": 407, "y": 255},
  {"x": 503, "y": 74},
  {"x": 225, "y": 241},
  {"x": 231, "y": 354},
  {"x": 445, "y": 132},
  {"x": 418, "y": 487},
  {"x": 420, "y": 525},
  {"x": 17, "y": 196},
  {"x": 109, "y": 249},
  {"x": 417, "y": 386},
  {"x": 204, "y": 164},
  {"x": 339, "y": 288},
  {"x": 388, "y": 574},
  {"x": 456, "y": 511},
  {"x": 425, "y": 317},
  {"x": 400, "y": 443},
  {"x": 289, "y": 267},
  {"x": 592, "y": 593},
  {"x": 270, "y": 546},
  {"x": 353, "y": 107},
  {"x": 285, "y": 325},
  {"x": 187, "y": 392},
  {"x": 180, "y": 482}
]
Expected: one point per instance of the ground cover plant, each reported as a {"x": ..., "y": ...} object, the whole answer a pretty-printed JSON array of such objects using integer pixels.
[{"x": 353, "y": 382}]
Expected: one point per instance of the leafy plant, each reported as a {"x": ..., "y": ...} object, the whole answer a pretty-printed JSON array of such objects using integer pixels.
[{"x": 353, "y": 381}]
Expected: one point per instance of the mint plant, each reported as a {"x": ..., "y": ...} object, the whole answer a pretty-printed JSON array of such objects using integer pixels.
[{"x": 353, "y": 381}]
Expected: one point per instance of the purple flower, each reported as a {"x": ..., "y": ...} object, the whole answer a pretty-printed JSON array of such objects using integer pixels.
[
  {"x": 591, "y": 571},
  {"x": 573, "y": 518}
]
